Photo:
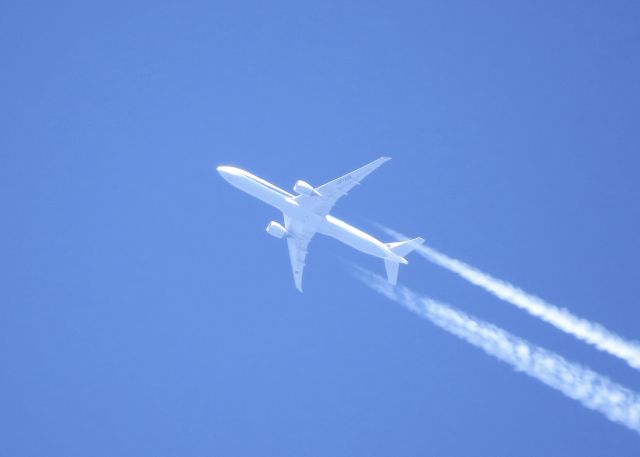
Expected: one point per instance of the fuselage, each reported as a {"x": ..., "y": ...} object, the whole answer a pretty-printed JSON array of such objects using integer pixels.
[{"x": 326, "y": 225}]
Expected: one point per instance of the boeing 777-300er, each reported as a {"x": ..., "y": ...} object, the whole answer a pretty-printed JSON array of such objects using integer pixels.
[{"x": 307, "y": 213}]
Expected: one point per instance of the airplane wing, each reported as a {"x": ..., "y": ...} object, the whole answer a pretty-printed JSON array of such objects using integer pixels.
[
  {"x": 330, "y": 192},
  {"x": 299, "y": 237}
]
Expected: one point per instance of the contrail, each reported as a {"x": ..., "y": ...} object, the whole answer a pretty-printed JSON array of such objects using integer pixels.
[
  {"x": 592, "y": 390},
  {"x": 590, "y": 332}
]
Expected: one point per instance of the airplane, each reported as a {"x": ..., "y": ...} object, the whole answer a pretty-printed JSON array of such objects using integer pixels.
[{"x": 307, "y": 213}]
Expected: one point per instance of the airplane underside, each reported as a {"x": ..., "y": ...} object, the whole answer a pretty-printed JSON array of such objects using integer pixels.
[{"x": 307, "y": 213}]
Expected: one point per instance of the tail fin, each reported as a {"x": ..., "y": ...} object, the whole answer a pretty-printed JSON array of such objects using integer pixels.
[
  {"x": 392, "y": 271},
  {"x": 403, "y": 248}
]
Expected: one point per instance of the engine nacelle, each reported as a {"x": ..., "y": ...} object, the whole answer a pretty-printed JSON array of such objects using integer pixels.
[
  {"x": 304, "y": 188},
  {"x": 276, "y": 230}
]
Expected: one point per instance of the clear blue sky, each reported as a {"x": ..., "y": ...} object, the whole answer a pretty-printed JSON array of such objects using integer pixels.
[{"x": 144, "y": 310}]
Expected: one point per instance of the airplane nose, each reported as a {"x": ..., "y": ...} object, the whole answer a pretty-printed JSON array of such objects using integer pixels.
[
  {"x": 224, "y": 171},
  {"x": 230, "y": 174}
]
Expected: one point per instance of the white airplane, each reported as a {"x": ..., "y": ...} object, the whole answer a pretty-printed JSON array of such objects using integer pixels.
[{"x": 307, "y": 213}]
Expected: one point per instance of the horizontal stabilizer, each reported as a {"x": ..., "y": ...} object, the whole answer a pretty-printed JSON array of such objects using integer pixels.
[{"x": 403, "y": 248}]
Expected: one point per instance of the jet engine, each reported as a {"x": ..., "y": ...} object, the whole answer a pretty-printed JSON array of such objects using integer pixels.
[
  {"x": 276, "y": 230},
  {"x": 304, "y": 188}
]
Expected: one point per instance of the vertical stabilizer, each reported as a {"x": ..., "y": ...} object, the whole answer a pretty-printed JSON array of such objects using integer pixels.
[
  {"x": 392, "y": 271},
  {"x": 399, "y": 248}
]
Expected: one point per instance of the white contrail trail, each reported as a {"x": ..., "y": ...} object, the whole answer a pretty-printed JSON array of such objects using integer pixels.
[
  {"x": 591, "y": 389},
  {"x": 590, "y": 332}
]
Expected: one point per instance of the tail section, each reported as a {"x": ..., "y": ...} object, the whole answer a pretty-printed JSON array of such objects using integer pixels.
[
  {"x": 400, "y": 248},
  {"x": 392, "y": 271},
  {"x": 403, "y": 248}
]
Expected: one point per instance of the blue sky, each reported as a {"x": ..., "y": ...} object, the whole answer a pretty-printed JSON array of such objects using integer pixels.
[{"x": 144, "y": 310}]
